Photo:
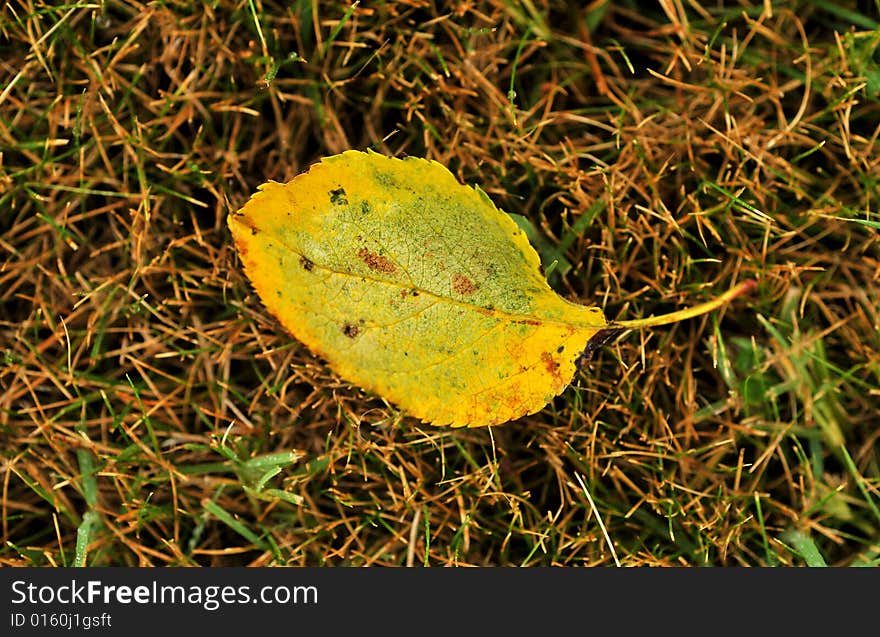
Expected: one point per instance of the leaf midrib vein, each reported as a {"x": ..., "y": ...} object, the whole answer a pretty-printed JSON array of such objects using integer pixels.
[{"x": 509, "y": 316}]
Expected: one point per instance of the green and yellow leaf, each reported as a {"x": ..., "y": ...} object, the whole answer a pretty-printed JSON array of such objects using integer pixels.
[{"x": 414, "y": 287}]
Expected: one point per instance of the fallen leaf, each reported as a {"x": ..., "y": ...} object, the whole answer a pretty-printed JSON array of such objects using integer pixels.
[{"x": 417, "y": 288}]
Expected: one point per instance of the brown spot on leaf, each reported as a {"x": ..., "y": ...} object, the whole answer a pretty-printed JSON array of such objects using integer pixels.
[
  {"x": 550, "y": 363},
  {"x": 306, "y": 264},
  {"x": 463, "y": 285},
  {"x": 351, "y": 330},
  {"x": 377, "y": 262}
]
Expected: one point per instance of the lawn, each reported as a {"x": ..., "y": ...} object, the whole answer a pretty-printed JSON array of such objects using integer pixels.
[{"x": 153, "y": 412}]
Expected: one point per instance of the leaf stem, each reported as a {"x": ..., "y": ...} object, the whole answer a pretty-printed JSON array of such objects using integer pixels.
[{"x": 697, "y": 310}]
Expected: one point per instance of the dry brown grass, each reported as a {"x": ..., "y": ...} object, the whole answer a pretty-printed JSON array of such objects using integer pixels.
[{"x": 661, "y": 155}]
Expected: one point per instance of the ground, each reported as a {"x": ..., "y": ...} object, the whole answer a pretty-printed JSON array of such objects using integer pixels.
[{"x": 152, "y": 412}]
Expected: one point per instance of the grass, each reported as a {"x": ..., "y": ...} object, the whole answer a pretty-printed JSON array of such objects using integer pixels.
[{"x": 153, "y": 413}]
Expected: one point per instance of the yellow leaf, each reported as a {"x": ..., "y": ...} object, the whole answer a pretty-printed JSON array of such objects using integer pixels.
[{"x": 414, "y": 287}]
